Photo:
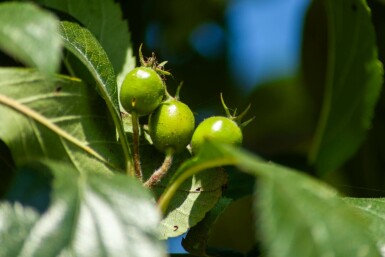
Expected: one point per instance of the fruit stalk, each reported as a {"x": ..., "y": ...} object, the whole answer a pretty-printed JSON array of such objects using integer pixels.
[
  {"x": 136, "y": 154},
  {"x": 161, "y": 172}
]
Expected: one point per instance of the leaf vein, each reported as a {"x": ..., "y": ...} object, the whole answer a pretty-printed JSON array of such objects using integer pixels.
[{"x": 49, "y": 125}]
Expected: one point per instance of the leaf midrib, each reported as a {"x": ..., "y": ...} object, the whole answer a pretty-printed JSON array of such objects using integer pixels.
[
  {"x": 29, "y": 113},
  {"x": 326, "y": 108}
]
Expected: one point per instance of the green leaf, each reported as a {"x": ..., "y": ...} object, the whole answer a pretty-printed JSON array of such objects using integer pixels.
[
  {"x": 62, "y": 119},
  {"x": 374, "y": 210},
  {"x": 193, "y": 199},
  {"x": 94, "y": 215},
  {"x": 285, "y": 115},
  {"x": 196, "y": 240},
  {"x": 104, "y": 19},
  {"x": 30, "y": 35},
  {"x": 83, "y": 44},
  {"x": 302, "y": 217},
  {"x": 297, "y": 215},
  {"x": 352, "y": 84},
  {"x": 15, "y": 225}
]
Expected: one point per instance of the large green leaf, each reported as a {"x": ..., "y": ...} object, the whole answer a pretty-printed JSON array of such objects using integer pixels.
[
  {"x": 284, "y": 117},
  {"x": 84, "y": 45},
  {"x": 104, "y": 19},
  {"x": 297, "y": 215},
  {"x": 374, "y": 210},
  {"x": 30, "y": 35},
  {"x": 92, "y": 215},
  {"x": 61, "y": 119},
  {"x": 301, "y": 217},
  {"x": 15, "y": 225},
  {"x": 352, "y": 84}
]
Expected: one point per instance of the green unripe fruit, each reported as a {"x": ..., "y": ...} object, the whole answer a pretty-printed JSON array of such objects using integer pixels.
[
  {"x": 217, "y": 129},
  {"x": 171, "y": 126},
  {"x": 142, "y": 91}
]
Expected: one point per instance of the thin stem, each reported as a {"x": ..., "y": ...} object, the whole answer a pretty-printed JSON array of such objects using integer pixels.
[
  {"x": 178, "y": 90},
  {"x": 227, "y": 110},
  {"x": 161, "y": 172},
  {"x": 136, "y": 154}
]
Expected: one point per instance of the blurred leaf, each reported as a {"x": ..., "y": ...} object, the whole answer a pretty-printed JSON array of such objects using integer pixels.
[
  {"x": 93, "y": 215},
  {"x": 284, "y": 118},
  {"x": 297, "y": 215},
  {"x": 16, "y": 223},
  {"x": 62, "y": 120},
  {"x": 377, "y": 9},
  {"x": 83, "y": 44},
  {"x": 374, "y": 210},
  {"x": 104, "y": 20},
  {"x": 314, "y": 52},
  {"x": 30, "y": 35},
  {"x": 353, "y": 82},
  {"x": 196, "y": 240},
  {"x": 301, "y": 217}
]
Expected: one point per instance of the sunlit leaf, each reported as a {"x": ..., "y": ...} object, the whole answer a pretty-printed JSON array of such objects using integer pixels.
[
  {"x": 62, "y": 119},
  {"x": 194, "y": 198},
  {"x": 15, "y": 224},
  {"x": 93, "y": 215},
  {"x": 30, "y": 34},
  {"x": 111, "y": 31},
  {"x": 84, "y": 45}
]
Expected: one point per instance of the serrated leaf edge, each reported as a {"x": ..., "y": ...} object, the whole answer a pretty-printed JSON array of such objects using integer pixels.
[{"x": 112, "y": 107}]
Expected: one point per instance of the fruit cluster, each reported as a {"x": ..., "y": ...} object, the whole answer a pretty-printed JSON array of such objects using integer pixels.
[{"x": 171, "y": 123}]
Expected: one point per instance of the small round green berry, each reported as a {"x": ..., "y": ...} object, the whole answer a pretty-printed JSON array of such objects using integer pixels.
[
  {"x": 218, "y": 129},
  {"x": 142, "y": 91},
  {"x": 171, "y": 126}
]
